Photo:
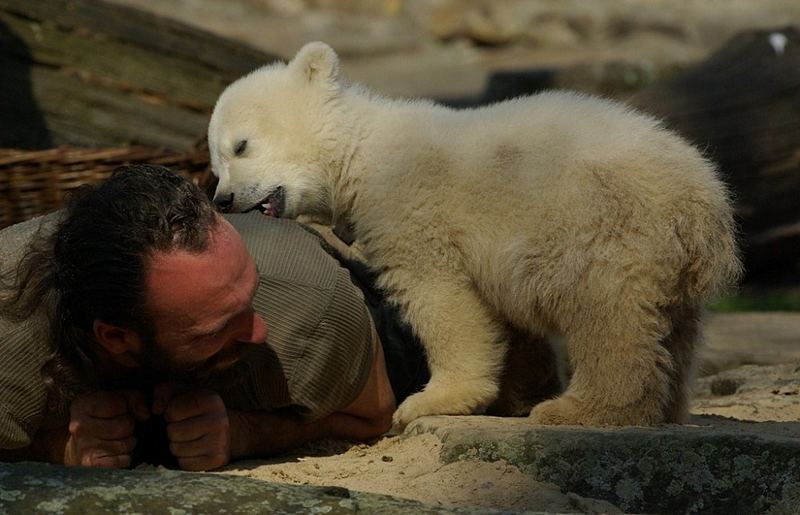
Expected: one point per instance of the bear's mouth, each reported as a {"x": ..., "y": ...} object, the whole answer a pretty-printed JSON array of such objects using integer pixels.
[{"x": 271, "y": 205}]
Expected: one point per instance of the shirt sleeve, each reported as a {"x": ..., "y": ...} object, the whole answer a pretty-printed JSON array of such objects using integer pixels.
[
  {"x": 23, "y": 396},
  {"x": 23, "y": 350},
  {"x": 337, "y": 359}
]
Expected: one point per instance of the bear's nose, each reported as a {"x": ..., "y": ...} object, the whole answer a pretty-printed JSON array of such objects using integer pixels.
[{"x": 224, "y": 203}]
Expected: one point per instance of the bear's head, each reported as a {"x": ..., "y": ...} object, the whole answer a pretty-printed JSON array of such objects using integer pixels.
[{"x": 267, "y": 137}]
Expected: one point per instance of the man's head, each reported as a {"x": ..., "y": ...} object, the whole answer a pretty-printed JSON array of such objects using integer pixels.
[
  {"x": 200, "y": 311},
  {"x": 148, "y": 277}
]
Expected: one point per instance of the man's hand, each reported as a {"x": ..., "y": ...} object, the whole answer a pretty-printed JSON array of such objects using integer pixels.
[
  {"x": 101, "y": 428},
  {"x": 198, "y": 427}
]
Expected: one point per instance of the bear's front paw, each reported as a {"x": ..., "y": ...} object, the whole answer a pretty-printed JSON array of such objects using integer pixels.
[
  {"x": 563, "y": 411},
  {"x": 440, "y": 398},
  {"x": 415, "y": 406}
]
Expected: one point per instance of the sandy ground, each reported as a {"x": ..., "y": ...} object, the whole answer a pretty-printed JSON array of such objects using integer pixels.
[
  {"x": 763, "y": 393},
  {"x": 409, "y": 467}
]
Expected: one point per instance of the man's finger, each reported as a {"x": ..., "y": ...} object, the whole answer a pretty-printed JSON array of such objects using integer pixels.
[
  {"x": 193, "y": 404},
  {"x": 117, "y": 447},
  {"x": 103, "y": 459},
  {"x": 162, "y": 396},
  {"x": 116, "y": 428},
  {"x": 201, "y": 447},
  {"x": 95, "y": 447},
  {"x": 191, "y": 429},
  {"x": 101, "y": 404},
  {"x": 137, "y": 403}
]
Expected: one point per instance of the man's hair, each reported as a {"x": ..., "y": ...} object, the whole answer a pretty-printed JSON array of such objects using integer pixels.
[{"x": 93, "y": 265}]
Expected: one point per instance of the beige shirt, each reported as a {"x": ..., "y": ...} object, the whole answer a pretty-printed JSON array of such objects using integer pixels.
[{"x": 316, "y": 361}]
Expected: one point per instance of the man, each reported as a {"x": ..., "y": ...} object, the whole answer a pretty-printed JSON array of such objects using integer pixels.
[
  {"x": 160, "y": 308},
  {"x": 142, "y": 326}
]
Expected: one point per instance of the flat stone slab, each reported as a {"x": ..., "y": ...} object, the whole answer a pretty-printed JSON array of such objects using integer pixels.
[
  {"x": 714, "y": 465},
  {"x": 27, "y": 488}
]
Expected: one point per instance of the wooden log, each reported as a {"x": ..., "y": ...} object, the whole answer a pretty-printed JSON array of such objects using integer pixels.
[
  {"x": 742, "y": 107},
  {"x": 89, "y": 73}
]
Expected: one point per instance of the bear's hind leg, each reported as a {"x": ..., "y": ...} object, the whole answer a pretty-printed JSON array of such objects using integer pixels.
[
  {"x": 530, "y": 375},
  {"x": 465, "y": 347},
  {"x": 621, "y": 373},
  {"x": 682, "y": 343}
]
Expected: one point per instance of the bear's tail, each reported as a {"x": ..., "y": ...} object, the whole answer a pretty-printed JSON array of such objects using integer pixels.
[{"x": 713, "y": 265}]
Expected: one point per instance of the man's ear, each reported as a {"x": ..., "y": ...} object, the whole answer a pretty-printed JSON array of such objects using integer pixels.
[
  {"x": 316, "y": 62},
  {"x": 122, "y": 345}
]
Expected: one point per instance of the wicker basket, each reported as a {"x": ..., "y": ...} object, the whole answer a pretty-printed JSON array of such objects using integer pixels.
[{"x": 35, "y": 182}]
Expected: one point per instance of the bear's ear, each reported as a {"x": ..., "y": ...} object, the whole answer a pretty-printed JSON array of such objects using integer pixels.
[{"x": 316, "y": 62}]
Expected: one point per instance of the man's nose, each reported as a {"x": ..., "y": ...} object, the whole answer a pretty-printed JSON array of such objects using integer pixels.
[
  {"x": 258, "y": 330},
  {"x": 224, "y": 202}
]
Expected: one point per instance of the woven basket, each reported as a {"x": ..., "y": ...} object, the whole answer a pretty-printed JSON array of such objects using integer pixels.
[{"x": 35, "y": 182}]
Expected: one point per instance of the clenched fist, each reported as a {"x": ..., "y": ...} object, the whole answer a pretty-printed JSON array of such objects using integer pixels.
[
  {"x": 198, "y": 427},
  {"x": 101, "y": 428}
]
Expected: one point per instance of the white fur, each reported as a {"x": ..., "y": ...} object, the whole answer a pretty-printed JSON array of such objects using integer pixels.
[{"x": 556, "y": 213}]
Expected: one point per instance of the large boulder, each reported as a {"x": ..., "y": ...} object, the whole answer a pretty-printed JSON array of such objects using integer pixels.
[
  {"x": 714, "y": 465},
  {"x": 39, "y": 488}
]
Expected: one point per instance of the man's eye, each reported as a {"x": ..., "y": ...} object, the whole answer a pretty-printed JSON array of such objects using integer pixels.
[
  {"x": 216, "y": 334},
  {"x": 240, "y": 148}
]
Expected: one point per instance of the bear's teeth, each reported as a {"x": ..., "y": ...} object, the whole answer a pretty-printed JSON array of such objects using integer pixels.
[{"x": 267, "y": 208}]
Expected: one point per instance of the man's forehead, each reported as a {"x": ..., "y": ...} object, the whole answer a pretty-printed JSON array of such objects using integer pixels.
[{"x": 184, "y": 283}]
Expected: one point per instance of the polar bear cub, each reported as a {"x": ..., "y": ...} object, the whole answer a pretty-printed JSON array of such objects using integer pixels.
[{"x": 554, "y": 213}]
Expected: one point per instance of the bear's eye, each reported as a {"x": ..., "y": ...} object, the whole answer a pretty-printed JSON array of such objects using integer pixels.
[{"x": 241, "y": 146}]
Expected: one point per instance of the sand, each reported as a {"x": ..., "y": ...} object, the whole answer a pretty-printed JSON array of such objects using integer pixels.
[{"x": 409, "y": 466}]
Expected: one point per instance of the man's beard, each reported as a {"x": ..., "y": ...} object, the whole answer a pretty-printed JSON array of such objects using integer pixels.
[{"x": 156, "y": 366}]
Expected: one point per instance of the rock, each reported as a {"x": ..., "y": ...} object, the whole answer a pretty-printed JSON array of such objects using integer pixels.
[
  {"x": 371, "y": 7},
  {"x": 757, "y": 338},
  {"x": 40, "y": 488},
  {"x": 552, "y": 33},
  {"x": 418, "y": 62},
  {"x": 724, "y": 386},
  {"x": 482, "y": 23},
  {"x": 789, "y": 504},
  {"x": 351, "y": 34},
  {"x": 655, "y": 21},
  {"x": 719, "y": 467},
  {"x": 352, "y": 28},
  {"x": 441, "y": 19},
  {"x": 493, "y": 25}
]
